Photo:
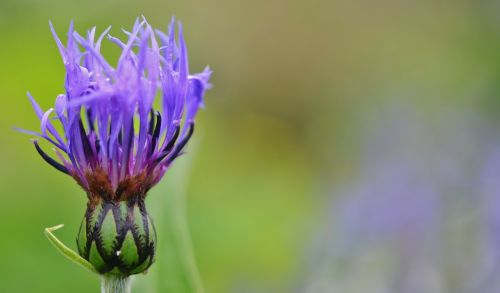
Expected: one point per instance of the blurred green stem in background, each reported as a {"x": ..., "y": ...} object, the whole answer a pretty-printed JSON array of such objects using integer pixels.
[
  {"x": 182, "y": 235},
  {"x": 115, "y": 284},
  {"x": 175, "y": 268}
]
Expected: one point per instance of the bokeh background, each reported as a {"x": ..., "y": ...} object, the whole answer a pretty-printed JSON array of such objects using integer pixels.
[{"x": 346, "y": 146}]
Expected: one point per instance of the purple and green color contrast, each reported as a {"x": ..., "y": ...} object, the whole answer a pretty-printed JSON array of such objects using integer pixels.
[{"x": 120, "y": 128}]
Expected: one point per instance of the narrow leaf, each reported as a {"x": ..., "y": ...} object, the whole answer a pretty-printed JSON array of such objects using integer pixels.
[{"x": 67, "y": 252}]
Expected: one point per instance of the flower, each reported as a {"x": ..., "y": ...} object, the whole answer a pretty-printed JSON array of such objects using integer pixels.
[{"x": 115, "y": 143}]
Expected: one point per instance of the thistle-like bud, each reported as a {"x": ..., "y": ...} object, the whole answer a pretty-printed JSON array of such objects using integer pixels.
[{"x": 117, "y": 237}]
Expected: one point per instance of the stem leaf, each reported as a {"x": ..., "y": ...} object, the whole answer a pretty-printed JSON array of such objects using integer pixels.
[{"x": 66, "y": 251}]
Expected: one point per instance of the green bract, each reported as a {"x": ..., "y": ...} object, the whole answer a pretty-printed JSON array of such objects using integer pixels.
[{"x": 117, "y": 237}]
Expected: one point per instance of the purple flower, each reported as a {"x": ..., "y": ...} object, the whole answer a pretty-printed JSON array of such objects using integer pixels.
[{"x": 114, "y": 142}]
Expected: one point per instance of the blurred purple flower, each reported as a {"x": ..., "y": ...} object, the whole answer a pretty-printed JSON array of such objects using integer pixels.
[
  {"x": 488, "y": 266},
  {"x": 114, "y": 142},
  {"x": 423, "y": 215}
]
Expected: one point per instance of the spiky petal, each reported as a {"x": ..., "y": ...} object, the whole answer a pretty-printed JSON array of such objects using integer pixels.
[{"x": 112, "y": 135}]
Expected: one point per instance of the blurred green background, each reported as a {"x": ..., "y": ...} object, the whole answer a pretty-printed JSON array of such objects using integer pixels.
[{"x": 301, "y": 88}]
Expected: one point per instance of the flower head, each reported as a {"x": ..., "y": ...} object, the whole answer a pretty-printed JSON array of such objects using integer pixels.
[{"x": 115, "y": 143}]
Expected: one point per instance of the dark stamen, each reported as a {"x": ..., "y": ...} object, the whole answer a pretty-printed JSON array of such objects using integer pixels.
[
  {"x": 156, "y": 133},
  {"x": 180, "y": 146},
  {"x": 151, "y": 122},
  {"x": 130, "y": 140},
  {"x": 97, "y": 146},
  {"x": 49, "y": 160},
  {"x": 85, "y": 141},
  {"x": 171, "y": 143},
  {"x": 120, "y": 137},
  {"x": 108, "y": 143},
  {"x": 90, "y": 122}
]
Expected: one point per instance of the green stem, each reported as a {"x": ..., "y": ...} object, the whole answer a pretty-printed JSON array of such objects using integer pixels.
[
  {"x": 181, "y": 232},
  {"x": 115, "y": 284},
  {"x": 185, "y": 245}
]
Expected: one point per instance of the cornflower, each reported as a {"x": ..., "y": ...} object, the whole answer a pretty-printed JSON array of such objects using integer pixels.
[{"x": 122, "y": 127}]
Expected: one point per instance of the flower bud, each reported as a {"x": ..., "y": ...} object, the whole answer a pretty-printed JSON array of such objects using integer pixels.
[{"x": 117, "y": 237}]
